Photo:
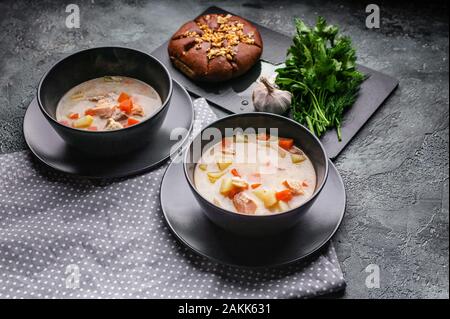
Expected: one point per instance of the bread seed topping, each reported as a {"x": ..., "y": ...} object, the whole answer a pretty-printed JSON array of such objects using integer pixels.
[{"x": 224, "y": 39}]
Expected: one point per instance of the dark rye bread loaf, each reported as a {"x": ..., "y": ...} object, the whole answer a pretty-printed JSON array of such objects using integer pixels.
[{"x": 215, "y": 47}]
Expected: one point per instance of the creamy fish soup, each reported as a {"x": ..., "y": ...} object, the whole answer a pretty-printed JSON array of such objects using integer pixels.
[
  {"x": 255, "y": 174},
  {"x": 107, "y": 103}
]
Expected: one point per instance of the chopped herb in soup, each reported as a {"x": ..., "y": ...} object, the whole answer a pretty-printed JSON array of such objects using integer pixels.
[
  {"x": 255, "y": 174},
  {"x": 107, "y": 103}
]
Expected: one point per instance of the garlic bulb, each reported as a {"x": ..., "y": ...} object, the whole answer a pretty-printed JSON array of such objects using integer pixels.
[{"x": 268, "y": 98}]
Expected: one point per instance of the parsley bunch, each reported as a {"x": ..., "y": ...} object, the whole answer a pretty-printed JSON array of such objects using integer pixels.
[{"x": 320, "y": 72}]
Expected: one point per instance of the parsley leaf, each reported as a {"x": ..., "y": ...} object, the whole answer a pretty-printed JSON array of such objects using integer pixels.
[{"x": 320, "y": 72}]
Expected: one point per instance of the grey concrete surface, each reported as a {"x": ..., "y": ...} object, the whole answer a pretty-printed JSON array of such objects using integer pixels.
[{"x": 396, "y": 168}]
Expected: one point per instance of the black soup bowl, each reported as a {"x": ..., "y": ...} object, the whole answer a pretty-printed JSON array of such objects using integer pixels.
[
  {"x": 256, "y": 225},
  {"x": 98, "y": 62}
]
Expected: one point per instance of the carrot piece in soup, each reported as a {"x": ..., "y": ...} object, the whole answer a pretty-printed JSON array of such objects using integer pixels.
[
  {"x": 284, "y": 195},
  {"x": 74, "y": 116},
  {"x": 90, "y": 112},
  {"x": 255, "y": 185},
  {"x": 92, "y": 128},
  {"x": 132, "y": 121},
  {"x": 286, "y": 143},
  {"x": 305, "y": 184},
  {"x": 123, "y": 96},
  {"x": 233, "y": 192},
  {"x": 235, "y": 172},
  {"x": 126, "y": 106}
]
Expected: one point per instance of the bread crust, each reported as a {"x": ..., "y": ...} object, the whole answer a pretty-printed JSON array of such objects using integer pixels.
[{"x": 192, "y": 51}]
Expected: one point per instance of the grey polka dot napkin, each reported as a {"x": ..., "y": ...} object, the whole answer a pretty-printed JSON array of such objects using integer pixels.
[{"x": 65, "y": 237}]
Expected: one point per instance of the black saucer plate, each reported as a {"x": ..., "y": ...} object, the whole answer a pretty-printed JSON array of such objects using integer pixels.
[
  {"x": 187, "y": 221},
  {"x": 53, "y": 151}
]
